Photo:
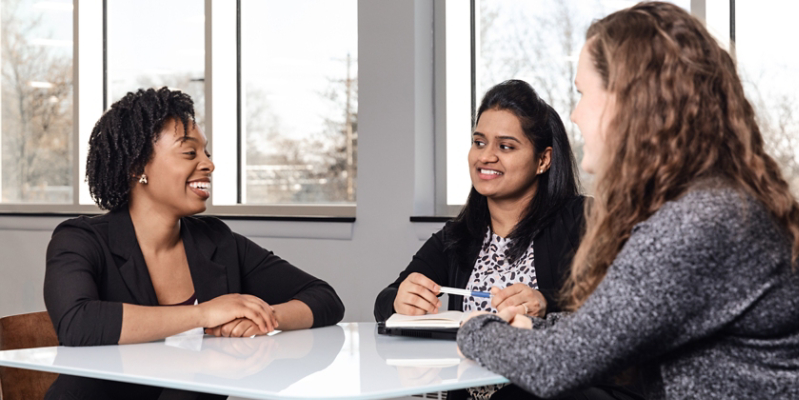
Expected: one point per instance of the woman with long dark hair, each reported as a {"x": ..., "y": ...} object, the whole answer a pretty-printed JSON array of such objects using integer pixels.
[
  {"x": 520, "y": 226},
  {"x": 688, "y": 270}
]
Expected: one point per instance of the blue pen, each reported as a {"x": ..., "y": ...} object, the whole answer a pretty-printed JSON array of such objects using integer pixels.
[{"x": 464, "y": 292}]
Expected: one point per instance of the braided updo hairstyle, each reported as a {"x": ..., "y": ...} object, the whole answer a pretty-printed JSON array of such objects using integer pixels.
[{"x": 122, "y": 141}]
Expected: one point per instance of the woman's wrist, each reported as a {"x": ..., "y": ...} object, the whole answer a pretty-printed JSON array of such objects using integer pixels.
[
  {"x": 198, "y": 316},
  {"x": 293, "y": 314}
]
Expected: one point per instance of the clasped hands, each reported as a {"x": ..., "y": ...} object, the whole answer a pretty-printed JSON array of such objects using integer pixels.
[
  {"x": 418, "y": 295},
  {"x": 238, "y": 315}
]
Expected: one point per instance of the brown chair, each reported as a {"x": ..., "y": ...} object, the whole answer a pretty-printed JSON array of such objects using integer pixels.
[{"x": 25, "y": 331}]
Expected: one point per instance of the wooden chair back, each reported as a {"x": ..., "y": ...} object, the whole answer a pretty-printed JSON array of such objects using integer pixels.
[{"x": 25, "y": 331}]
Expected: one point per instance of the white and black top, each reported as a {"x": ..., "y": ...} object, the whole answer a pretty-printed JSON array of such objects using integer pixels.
[{"x": 493, "y": 268}]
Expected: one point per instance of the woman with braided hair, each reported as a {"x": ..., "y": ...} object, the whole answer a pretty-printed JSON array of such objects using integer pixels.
[
  {"x": 687, "y": 273},
  {"x": 109, "y": 277}
]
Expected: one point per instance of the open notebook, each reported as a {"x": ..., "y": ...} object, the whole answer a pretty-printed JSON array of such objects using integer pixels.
[
  {"x": 432, "y": 326},
  {"x": 447, "y": 319}
]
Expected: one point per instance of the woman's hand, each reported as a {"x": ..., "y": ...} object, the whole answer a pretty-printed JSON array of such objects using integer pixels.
[
  {"x": 240, "y": 327},
  {"x": 516, "y": 317},
  {"x": 519, "y": 294},
  {"x": 417, "y": 295},
  {"x": 224, "y": 309}
]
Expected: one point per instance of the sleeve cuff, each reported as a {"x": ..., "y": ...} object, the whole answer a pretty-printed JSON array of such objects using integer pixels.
[
  {"x": 384, "y": 305},
  {"x": 326, "y": 310},
  {"x": 470, "y": 335}
]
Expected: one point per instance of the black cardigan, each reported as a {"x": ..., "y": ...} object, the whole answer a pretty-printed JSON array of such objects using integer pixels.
[
  {"x": 554, "y": 247},
  {"x": 94, "y": 265}
]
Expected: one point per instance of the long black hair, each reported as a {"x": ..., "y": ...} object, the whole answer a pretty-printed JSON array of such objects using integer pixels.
[
  {"x": 122, "y": 141},
  {"x": 543, "y": 127}
]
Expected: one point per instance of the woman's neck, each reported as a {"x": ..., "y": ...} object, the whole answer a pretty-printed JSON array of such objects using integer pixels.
[
  {"x": 156, "y": 230},
  {"x": 506, "y": 213}
]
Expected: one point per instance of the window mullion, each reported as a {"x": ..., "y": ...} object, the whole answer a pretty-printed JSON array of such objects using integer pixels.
[
  {"x": 221, "y": 83},
  {"x": 88, "y": 85}
]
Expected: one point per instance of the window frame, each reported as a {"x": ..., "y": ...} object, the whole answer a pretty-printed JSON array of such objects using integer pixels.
[
  {"x": 444, "y": 210},
  {"x": 89, "y": 73}
]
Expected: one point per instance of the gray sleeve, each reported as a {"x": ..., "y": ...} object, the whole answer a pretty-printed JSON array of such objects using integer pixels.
[
  {"x": 550, "y": 319},
  {"x": 678, "y": 278}
]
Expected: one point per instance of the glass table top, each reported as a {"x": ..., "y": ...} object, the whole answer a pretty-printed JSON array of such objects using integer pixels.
[{"x": 345, "y": 361}]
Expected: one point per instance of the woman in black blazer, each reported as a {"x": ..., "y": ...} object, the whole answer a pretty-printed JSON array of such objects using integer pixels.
[
  {"x": 109, "y": 278},
  {"x": 518, "y": 231}
]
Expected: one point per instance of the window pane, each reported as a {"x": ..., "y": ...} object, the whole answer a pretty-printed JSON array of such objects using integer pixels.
[
  {"x": 299, "y": 82},
  {"x": 36, "y": 101},
  {"x": 539, "y": 42},
  {"x": 155, "y": 43},
  {"x": 768, "y": 70}
]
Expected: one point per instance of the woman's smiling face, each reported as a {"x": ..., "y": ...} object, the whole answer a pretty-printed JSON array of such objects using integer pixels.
[
  {"x": 179, "y": 173},
  {"x": 503, "y": 163}
]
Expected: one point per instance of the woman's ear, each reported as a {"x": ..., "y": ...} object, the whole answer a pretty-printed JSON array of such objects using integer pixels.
[{"x": 545, "y": 161}]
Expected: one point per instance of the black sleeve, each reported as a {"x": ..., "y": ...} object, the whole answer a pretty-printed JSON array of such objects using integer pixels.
[
  {"x": 80, "y": 318},
  {"x": 576, "y": 230},
  {"x": 276, "y": 281},
  {"x": 430, "y": 261}
]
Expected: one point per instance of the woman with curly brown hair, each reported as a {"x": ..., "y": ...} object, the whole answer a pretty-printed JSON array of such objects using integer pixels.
[{"x": 687, "y": 272}]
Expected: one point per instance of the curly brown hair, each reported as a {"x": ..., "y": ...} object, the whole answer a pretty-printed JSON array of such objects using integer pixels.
[{"x": 682, "y": 117}]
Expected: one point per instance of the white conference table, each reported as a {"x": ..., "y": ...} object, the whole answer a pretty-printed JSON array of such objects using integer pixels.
[{"x": 345, "y": 361}]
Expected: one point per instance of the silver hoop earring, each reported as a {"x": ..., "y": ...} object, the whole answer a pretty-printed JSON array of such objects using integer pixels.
[{"x": 143, "y": 179}]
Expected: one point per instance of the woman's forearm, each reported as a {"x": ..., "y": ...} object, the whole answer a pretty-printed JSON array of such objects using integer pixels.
[
  {"x": 144, "y": 324},
  {"x": 293, "y": 314}
]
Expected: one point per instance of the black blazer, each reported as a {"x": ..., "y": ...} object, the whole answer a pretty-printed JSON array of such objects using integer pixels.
[
  {"x": 554, "y": 248},
  {"x": 94, "y": 265}
]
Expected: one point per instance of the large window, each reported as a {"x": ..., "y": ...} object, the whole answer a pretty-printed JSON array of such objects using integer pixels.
[
  {"x": 284, "y": 77},
  {"x": 299, "y": 85},
  {"x": 147, "y": 49},
  {"x": 36, "y": 100},
  {"x": 768, "y": 67},
  {"x": 535, "y": 41},
  {"x": 539, "y": 41}
]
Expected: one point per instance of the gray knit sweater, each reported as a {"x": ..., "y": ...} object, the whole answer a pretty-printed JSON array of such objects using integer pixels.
[{"x": 701, "y": 299}]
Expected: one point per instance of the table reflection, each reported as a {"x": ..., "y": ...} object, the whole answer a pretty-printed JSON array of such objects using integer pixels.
[
  {"x": 421, "y": 362},
  {"x": 276, "y": 361}
]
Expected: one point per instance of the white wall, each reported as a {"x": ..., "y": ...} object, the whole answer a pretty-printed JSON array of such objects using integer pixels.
[{"x": 395, "y": 83}]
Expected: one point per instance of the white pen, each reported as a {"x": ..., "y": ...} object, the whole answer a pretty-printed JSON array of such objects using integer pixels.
[{"x": 463, "y": 292}]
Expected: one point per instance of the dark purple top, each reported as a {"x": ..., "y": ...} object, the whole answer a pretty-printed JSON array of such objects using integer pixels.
[{"x": 189, "y": 302}]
